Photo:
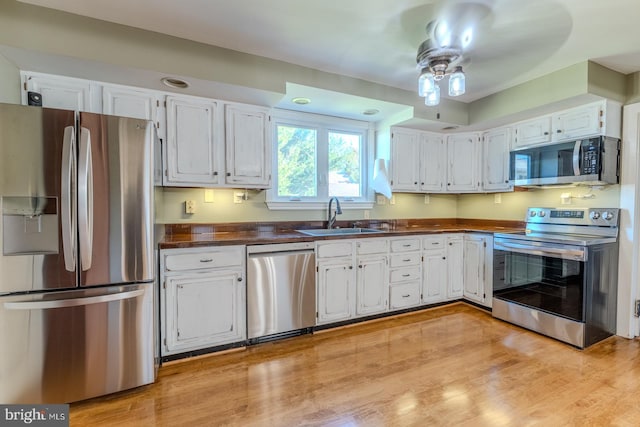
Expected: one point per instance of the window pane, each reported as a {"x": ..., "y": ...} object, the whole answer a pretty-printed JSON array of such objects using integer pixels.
[
  {"x": 344, "y": 164},
  {"x": 297, "y": 162}
]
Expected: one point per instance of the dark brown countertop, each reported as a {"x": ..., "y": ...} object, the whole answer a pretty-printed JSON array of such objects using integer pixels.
[{"x": 194, "y": 235}]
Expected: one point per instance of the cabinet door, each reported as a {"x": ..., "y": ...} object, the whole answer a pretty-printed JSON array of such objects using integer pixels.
[
  {"x": 248, "y": 146},
  {"x": 495, "y": 158},
  {"x": 204, "y": 310},
  {"x": 463, "y": 162},
  {"x": 474, "y": 267},
  {"x": 372, "y": 285},
  {"x": 336, "y": 290},
  {"x": 404, "y": 160},
  {"x": 433, "y": 155},
  {"x": 578, "y": 122},
  {"x": 434, "y": 277},
  {"x": 64, "y": 92},
  {"x": 532, "y": 132},
  {"x": 192, "y": 154},
  {"x": 455, "y": 270}
]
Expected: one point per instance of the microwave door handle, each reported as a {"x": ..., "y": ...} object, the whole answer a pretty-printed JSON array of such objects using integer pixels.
[
  {"x": 577, "y": 149},
  {"x": 67, "y": 208},
  {"x": 575, "y": 254}
]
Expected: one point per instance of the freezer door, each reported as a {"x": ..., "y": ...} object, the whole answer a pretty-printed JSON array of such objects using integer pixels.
[
  {"x": 71, "y": 345},
  {"x": 115, "y": 199},
  {"x": 37, "y": 199}
]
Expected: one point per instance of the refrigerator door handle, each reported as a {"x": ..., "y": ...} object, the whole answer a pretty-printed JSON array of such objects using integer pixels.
[
  {"x": 67, "y": 200},
  {"x": 85, "y": 199},
  {"x": 71, "y": 302}
]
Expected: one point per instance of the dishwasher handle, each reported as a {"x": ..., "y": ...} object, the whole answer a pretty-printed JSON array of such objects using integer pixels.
[{"x": 281, "y": 247}]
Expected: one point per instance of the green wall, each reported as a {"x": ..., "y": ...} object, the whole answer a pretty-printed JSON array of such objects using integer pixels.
[{"x": 9, "y": 82}]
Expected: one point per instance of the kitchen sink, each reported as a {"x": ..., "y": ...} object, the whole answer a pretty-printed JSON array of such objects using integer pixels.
[{"x": 338, "y": 231}]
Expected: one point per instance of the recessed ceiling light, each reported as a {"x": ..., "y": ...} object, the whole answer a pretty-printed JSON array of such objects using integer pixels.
[
  {"x": 301, "y": 101},
  {"x": 175, "y": 83},
  {"x": 370, "y": 112}
]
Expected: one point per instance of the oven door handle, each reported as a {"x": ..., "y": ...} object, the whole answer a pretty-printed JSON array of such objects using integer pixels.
[{"x": 564, "y": 253}]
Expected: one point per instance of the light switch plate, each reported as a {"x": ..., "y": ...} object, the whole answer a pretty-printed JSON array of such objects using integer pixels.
[
  {"x": 208, "y": 195},
  {"x": 189, "y": 206},
  {"x": 497, "y": 198}
]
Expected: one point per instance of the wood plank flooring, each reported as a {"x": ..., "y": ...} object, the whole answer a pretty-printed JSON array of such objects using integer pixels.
[{"x": 453, "y": 365}]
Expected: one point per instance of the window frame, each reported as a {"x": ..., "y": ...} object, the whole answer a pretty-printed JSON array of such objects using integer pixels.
[{"x": 323, "y": 126}]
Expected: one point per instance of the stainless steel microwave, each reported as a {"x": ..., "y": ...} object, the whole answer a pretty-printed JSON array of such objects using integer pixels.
[{"x": 591, "y": 161}]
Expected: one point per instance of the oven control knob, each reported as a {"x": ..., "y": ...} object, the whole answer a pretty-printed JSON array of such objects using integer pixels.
[
  {"x": 541, "y": 214},
  {"x": 607, "y": 216},
  {"x": 595, "y": 215},
  {"x": 532, "y": 213}
]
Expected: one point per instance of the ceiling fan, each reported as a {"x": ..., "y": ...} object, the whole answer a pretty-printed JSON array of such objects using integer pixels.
[
  {"x": 495, "y": 39},
  {"x": 442, "y": 53}
]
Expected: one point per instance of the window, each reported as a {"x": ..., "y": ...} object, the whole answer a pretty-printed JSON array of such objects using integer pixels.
[{"x": 318, "y": 157}]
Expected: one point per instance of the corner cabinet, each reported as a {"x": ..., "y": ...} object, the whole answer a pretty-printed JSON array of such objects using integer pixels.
[
  {"x": 193, "y": 151},
  {"x": 248, "y": 146},
  {"x": 478, "y": 268},
  {"x": 202, "y": 298},
  {"x": 495, "y": 151},
  {"x": 463, "y": 162}
]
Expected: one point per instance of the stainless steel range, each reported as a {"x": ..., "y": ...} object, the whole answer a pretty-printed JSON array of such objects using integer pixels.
[{"x": 559, "y": 277}]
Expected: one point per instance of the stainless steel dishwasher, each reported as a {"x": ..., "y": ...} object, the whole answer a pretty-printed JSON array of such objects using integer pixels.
[{"x": 281, "y": 291}]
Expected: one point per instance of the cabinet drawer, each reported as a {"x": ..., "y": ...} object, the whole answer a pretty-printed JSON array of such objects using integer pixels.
[
  {"x": 404, "y": 295},
  {"x": 189, "y": 259},
  {"x": 433, "y": 242},
  {"x": 402, "y": 260},
  {"x": 372, "y": 246},
  {"x": 404, "y": 274},
  {"x": 333, "y": 250},
  {"x": 405, "y": 245}
]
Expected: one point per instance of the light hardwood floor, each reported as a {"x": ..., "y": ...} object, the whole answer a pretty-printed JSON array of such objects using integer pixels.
[{"x": 454, "y": 365}]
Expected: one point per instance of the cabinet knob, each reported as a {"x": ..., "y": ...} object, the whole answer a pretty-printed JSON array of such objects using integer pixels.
[
  {"x": 506, "y": 181},
  {"x": 448, "y": 183},
  {"x": 239, "y": 279},
  {"x": 422, "y": 183},
  {"x": 228, "y": 173},
  {"x": 415, "y": 183},
  {"x": 559, "y": 131},
  {"x": 359, "y": 266},
  {"x": 215, "y": 174},
  {"x": 546, "y": 133},
  {"x": 444, "y": 257},
  {"x": 351, "y": 267}
]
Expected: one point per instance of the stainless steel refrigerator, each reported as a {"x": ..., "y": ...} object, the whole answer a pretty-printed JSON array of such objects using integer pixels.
[{"x": 77, "y": 257}]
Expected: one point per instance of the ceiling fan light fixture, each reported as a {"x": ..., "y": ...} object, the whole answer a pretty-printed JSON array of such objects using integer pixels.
[
  {"x": 426, "y": 82},
  {"x": 457, "y": 82},
  {"x": 433, "y": 98}
]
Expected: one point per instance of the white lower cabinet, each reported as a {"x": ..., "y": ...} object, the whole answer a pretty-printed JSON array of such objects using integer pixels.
[
  {"x": 405, "y": 273},
  {"x": 478, "y": 267},
  {"x": 434, "y": 269},
  {"x": 203, "y": 301},
  {"x": 372, "y": 285},
  {"x": 335, "y": 281},
  {"x": 455, "y": 267},
  {"x": 336, "y": 290}
]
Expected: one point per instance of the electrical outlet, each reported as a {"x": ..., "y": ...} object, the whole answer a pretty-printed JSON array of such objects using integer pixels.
[
  {"x": 497, "y": 198},
  {"x": 208, "y": 195},
  {"x": 393, "y": 200},
  {"x": 380, "y": 199},
  {"x": 427, "y": 199},
  {"x": 366, "y": 214},
  {"x": 189, "y": 206},
  {"x": 565, "y": 198},
  {"x": 238, "y": 197}
]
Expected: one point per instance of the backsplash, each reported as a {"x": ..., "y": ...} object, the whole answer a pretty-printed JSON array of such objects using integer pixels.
[{"x": 512, "y": 206}]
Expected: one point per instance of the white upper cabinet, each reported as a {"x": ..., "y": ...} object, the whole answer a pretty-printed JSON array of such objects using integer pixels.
[
  {"x": 137, "y": 103},
  {"x": 405, "y": 159},
  {"x": 433, "y": 160},
  {"x": 532, "y": 132},
  {"x": 578, "y": 122},
  {"x": 63, "y": 92},
  {"x": 248, "y": 146},
  {"x": 495, "y": 174},
  {"x": 463, "y": 162},
  {"x": 192, "y": 147}
]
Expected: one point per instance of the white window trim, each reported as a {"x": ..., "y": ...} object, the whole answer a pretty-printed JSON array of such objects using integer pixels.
[{"x": 326, "y": 123}]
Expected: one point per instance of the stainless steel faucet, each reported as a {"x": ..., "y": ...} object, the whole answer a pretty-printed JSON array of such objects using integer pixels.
[{"x": 332, "y": 219}]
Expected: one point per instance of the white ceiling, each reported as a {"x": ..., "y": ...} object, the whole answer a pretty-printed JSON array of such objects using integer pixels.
[{"x": 377, "y": 40}]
